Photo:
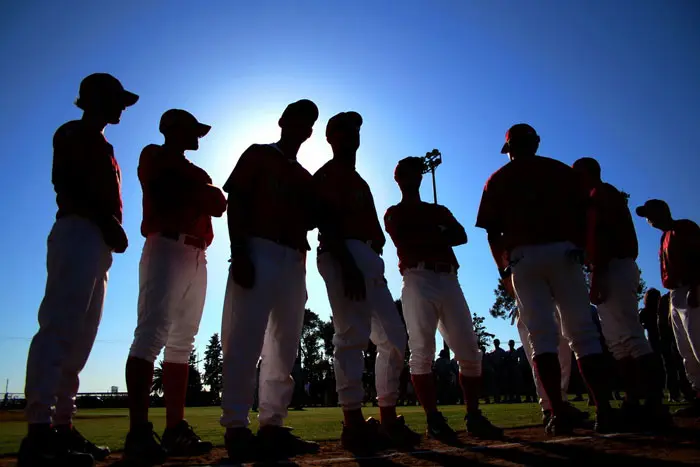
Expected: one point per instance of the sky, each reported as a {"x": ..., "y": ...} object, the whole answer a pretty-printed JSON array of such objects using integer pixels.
[{"x": 614, "y": 80}]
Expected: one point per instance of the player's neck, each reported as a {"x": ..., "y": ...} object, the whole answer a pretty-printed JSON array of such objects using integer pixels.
[
  {"x": 347, "y": 159},
  {"x": 94, "y": 120},
  {"x": 411, "y": 197},
  {"x": 289, "y": 149},
  {"x": 173, "y": 148}
]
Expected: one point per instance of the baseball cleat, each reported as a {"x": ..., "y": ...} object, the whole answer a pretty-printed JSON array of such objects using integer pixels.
[
  {"x": 439, "y": 429},
  {"x": 183, "y": 441},
  {"x": 46, "y": 450},
  {"x": 241, "y": 445},
  {"x": 362, "y": 439},
  {"x": 559, "y": 425},
  {"x": 143, "y": 447},
  {"x": 76, "y": 442},
  {"x": 480, "y": 427},
  {"x": 281, "y": 441},
  {"x": 399, "y": 434}
]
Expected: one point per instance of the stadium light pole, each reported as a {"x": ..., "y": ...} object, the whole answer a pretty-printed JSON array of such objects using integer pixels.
[{"x": 431, "y": 161}]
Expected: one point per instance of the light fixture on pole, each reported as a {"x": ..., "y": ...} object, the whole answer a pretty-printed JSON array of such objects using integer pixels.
[{"x": 430, "y": 162}]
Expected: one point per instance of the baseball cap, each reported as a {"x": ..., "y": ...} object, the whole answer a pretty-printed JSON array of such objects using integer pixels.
[
  {"x": 100, "y": 85},
  {"x": 343, "y": 121},
  {"x": 652, "y": 207},
  {"x": 182, "y": 120},
  {"x": 409, "y": 165},
  {"x": 303, "y": 111},
  {"x": 518, "y": 131}
]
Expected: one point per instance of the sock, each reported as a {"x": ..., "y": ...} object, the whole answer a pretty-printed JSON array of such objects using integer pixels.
[
  {"x": 175, "y": 390},
  {"x": 471, "y": 389},
  {"x": 592, "y": 368},
  {"x": 650, "y": 377},
  {"x": 353, "y": 417},
  {"x": 549, "y": 372},
  {"x": 387, "y": 414},
  {"x": 628, "y": 372},
  {"x": 139, "y": 378},
  {"x": 425, "y": 391}
]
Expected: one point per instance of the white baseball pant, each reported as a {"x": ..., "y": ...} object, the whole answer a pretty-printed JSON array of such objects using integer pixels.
[
  {"x": 564, "y": 362},
  {"x": 356, "y": 323},
  {"x": 543, "y": 272},
  {"x": 619, "y": 318},
  {"x": 686, "y": 328},
  {"x": 172, "y": 290},
  {"x": 265, "y": 321},
  {"x": 433, "y": 301},
  {"x": 77, "y": 263}
]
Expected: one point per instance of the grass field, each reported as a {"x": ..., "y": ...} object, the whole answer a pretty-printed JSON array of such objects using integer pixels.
[{"x": 109, "y": 426}]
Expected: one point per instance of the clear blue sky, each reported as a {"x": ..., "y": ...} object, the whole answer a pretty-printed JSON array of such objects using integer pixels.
[{"x": 614, "y": 80}]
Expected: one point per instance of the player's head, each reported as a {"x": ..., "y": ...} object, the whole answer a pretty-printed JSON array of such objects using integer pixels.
[
  {"x": 652, "y": 297},
  {"x": 588, "y": 169},
  {"x": 521, "y": 140},
  {"x": 182, "y": 129},
  {"x": 343, "y": 132},
  {"x": 409, "y": 173},
  {"x": 103, "y": 96},
  {"x": 657, "y": 213},
  {"x": 511, "y": 344},
  {"x": 444, "y": 353},
  {"x": 297, "y": 121},
  {"x": 497, "y": 343}
]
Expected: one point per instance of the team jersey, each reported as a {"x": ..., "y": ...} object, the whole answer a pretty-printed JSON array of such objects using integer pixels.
[
  {"x": 85, "y": 173},
  {"x": 177, "y": 195},
  {"x": 415, "y": 230},
  {"x": 345, "y": 206},
  {"x": 532, "y": 201},
  {"x": 679, "y": 254},
  {"x": 610, "y": 230},
  {"x": 271, "y": 197}
]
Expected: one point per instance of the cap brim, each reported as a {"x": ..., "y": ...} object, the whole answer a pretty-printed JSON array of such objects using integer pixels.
[
  {"x": 641, "y": 211},
  {"x": 202, "y": 129},
  {"x": 129, "y": 98},
  {"x": 505, "y": 149}
]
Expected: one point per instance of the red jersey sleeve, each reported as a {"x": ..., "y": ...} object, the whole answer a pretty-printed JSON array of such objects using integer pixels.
[
  {"x": 491, "y": 207},
  {"x": 240, "y": 187}
]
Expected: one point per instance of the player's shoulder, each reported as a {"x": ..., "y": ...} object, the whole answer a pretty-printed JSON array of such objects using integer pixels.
[
  {"x": 150, "y": 151},
  {"x": 72, "y": 130},
  {"x": 685, "y": 225}
]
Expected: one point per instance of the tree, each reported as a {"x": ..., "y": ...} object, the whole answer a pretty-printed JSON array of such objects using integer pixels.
[
  {"x": 309, "y": 345},
  {"x": 194, "y": 381},
  {"x": 483, "y": 337},
  {"x": 213, "y": 365},
  {"x": 326, "y": 332},
  {"x": 504, "y": 305},
  {"x": 157, "y": 385}
]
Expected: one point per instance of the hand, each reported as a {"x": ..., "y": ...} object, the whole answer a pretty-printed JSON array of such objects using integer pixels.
[
  {"x": 243, "y": 270},
  {"x": 115, "y": 236},
  {"x": 353, "y": 282},
  {"x": 692, "y": 297},
  {"x": 598, "y": 293}
]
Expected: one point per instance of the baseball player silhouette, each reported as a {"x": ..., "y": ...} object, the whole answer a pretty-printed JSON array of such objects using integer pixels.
[
  {"x": 679, "y": 256},
  {"x": 351, "y": 241},
  {"x": 178, "y": 203},
  {"x": 611, "y": 252},
  {"x": 432, "y": 299},
  {"x": 270, "y": 212},
  {"x": 533, "y": 210},
  {"x": 88, "y": 229}
]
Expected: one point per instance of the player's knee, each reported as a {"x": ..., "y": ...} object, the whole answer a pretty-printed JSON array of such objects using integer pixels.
[
  {"x": 177, "y": 354},
  {"x": 146, "y": 348},
  {"x": 639, "y": 347},
  {"x": 470, "y": 368}
]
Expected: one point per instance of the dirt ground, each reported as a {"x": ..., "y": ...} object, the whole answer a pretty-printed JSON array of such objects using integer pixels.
[{"x": 521, "y": 447}]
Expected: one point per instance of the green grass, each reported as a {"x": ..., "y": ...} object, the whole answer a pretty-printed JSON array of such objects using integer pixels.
[{"x": 109, "y": 426}]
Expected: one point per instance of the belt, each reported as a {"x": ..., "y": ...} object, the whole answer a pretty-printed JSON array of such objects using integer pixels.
[
  {"x": 186, "y": 239},
  {"x": 441, "y": 268}
]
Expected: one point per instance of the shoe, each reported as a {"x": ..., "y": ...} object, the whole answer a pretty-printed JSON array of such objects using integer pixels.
[
  {"x": 656, "y": 418},
  {"x": 606, "y": 421},
  {"x": 143, "y": 446},
  {"x": 47, "y": 450},
  {"x": 480, "y": 427},
  {"x": 576, "y": 416},
  {"x": 546, "y": 417},
  {"x": 362, "y": 439},
  {"x": 241, "y": 445},
  {"x": 74, "y": 441},
  {"x": 439, "y": 429},
  {"x": 399, "y": 434},
  {"x": 182, "y": 441},
  {"x": 559, "y": 425},
  {"x": 281, "y": 441},
  {"x": 688, "y": 412}
]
